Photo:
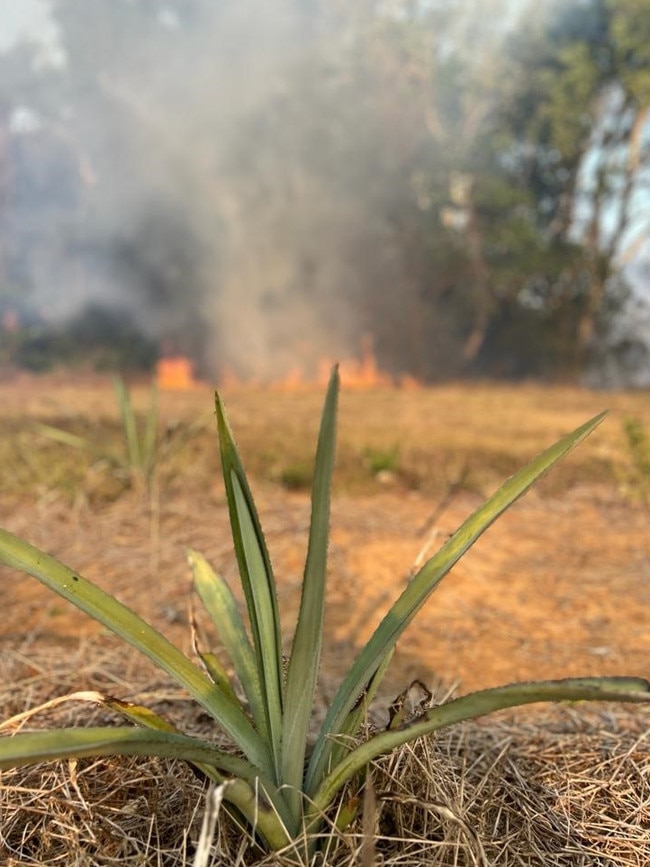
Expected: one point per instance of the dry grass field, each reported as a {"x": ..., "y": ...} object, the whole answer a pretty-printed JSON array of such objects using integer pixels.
[{"x": 559, "y": 586}]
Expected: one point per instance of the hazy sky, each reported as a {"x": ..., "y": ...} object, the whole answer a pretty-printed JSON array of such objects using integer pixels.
[{"x": 24, "y": 18}]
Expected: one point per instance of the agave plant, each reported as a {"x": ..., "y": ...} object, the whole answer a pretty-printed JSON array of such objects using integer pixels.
[{"x": 284, "y": 788}]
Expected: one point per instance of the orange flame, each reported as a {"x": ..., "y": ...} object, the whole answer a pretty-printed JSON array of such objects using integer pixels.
[
  {"x": 175, "y": 373},
  {"x": 356, "y": 374},
  {"x": 360, "y": 373}
]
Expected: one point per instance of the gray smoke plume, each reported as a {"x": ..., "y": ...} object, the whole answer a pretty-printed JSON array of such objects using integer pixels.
[
  {"x": 232, "y": 203},
  {"x": 258, "y": 184}
]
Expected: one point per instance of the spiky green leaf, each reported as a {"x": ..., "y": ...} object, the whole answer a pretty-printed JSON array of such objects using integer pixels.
[
  {"x": 150, "y": 444},
  {"x": 476, "y": 704},
  {"x": 304, "y": 661},
  {"x": 129, "y": 424},
  {"x": 422, "y": 585},
  {"x": 257, "y": 580},
  {"x": 221, "y": 605},
  {"x": 218, "y": 674},
  {"x": 77, "y": 442},
  {"x": 124, "y": 623}
]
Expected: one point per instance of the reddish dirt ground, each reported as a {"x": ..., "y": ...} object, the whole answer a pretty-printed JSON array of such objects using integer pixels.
[{"x": 557, "y": 587}]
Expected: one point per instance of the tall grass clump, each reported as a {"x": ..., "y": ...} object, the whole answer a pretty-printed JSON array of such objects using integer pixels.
[
  {"x": 638, "y": 442},
  {"x": 285, "y": 785},
  {"x": 142, "y": 447}
]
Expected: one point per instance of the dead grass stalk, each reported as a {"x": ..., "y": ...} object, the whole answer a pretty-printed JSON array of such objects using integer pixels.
[{"x": 558, "y": 788}]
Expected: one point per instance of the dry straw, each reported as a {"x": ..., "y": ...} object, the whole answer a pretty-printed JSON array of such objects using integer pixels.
[
  {"x": 557, "y": 788},
  {"x": 286, "y": 794}
]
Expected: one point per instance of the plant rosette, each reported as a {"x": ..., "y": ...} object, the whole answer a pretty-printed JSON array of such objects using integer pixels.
[{"x": 285, "y": 789}]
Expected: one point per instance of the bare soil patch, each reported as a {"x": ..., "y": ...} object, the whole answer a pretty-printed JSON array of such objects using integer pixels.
[{"x": 556, "y": 588}]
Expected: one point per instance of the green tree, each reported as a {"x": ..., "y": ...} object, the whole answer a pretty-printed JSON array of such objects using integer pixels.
[{"x": 579, "y": 121}]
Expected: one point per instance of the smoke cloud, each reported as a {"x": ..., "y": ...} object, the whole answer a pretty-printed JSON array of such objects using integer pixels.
[
  {"x": 261, "y": 185},
  {"x": 237, "y": 194}
]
